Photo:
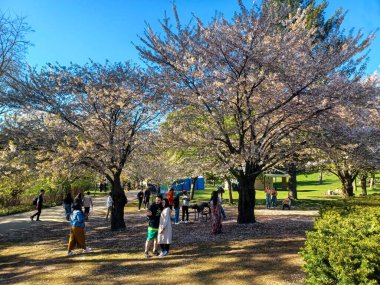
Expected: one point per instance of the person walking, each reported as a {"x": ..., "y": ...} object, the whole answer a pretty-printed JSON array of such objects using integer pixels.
[
  {"x": 216, "y": 214},
  {"x": 67, "y": 204},
  {"x": 77, "y": 234},
  {"x": 140, "y": 197},
  {"x": 109, "y": 204},
  {"x": 146, "y": 198},
  {"x": 40, "y": 202},
  {"x": 185, "y": 206},
  {"x": 87, "y": 203},
  {"x": 165, "y": 228},
  {"x": 153, "y": 214}
]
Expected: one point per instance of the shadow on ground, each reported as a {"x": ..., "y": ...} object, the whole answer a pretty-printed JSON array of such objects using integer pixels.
[{"x": 262, "y": 253}]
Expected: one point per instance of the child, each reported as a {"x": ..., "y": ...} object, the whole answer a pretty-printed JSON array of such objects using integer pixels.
[
  {"x": 87, "y": 203},
  {"x": 165, "y": 229},
  {"x": 77, "y": 237}
]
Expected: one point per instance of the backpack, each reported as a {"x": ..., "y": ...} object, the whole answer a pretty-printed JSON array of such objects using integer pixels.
[{"x": 34, "y": 203}]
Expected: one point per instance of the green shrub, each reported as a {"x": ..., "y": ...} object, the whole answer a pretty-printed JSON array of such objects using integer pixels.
[{"x": 344, "y": 247}]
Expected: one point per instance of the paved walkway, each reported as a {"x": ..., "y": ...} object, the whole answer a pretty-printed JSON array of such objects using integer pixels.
[{"x": 53, "y": 214}]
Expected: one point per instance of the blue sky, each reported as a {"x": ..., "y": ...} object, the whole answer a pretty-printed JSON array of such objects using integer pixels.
[{"x": 76, "y": 30}]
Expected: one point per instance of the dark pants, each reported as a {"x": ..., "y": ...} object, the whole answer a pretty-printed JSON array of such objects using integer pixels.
[
  {"x": 185, "y": 210},
  {"x": 285, "y": 206},
  {"x": 67, "y": 211},
  {"x": 37, "y": 214},
  {"x": 146, "y": 202},
  {"x": 165, "y": 247},
  {"x": 86, "y": 212},
  {"x": 140, "y": 202}
]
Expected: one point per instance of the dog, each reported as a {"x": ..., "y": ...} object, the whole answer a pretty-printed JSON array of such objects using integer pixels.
[{"x": 203, "y": 209}]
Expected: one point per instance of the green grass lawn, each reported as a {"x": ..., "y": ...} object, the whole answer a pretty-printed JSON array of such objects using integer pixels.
[{"x": 311, "y": 194}]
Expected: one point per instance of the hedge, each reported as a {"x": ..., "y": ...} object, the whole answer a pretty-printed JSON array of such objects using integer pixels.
[{"x": 344, "y": 247}]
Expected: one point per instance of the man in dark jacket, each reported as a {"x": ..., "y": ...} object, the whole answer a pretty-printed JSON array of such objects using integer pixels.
[
  {"x": 140, "y": 196},
  {"x": 153, "y": 214},
  {"x": 40, "y": 201},
  {"x": 146, "y": 198}
]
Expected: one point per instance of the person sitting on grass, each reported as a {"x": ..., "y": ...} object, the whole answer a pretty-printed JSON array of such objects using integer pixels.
[
  {"x": 286, "y": 203},
  {"x": 77, "y": 235}
]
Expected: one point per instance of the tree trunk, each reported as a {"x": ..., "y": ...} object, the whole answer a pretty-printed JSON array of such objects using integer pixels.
[
  {"x": 372, "y": 182},
  {"x": 193, "y": 181},
  {"x": 230, "y": 190},
  {"x": 347, "y": 179},
  {"x": 321, "y": 176},
  {"x": 247, "y": 195},
  {"x": 119, "y": 201},
  {"x": 292, "y": 182},
  {"x": 363, "y": 183}
]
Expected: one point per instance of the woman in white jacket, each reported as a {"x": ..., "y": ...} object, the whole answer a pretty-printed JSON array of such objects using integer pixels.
[{"x": 165, "y": 229}]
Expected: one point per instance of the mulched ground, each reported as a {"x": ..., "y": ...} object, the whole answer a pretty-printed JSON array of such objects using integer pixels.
[
  {"x": 275, "y": 239},
  {"x": 270, "y": 224}
]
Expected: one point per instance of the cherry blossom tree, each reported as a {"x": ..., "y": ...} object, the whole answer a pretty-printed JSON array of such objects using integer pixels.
[
  {"x": 13, "y": 46},
  {"x": 105, "y": 110},
  {"x": 254, "y": 81},
  {"x": 348, "y": 137}
]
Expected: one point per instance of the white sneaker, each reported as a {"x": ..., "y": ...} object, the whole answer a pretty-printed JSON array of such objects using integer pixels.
[
  {"x": 185, "y": 222},
  {"x": 176, "y": 223},
  {"x": 163, "y": 253},
  {"x": 70, "y": 253},
  {"x": 87, "y": 249}
]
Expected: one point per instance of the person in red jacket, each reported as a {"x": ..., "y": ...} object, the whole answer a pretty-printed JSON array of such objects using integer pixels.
[{"x": 170, "y": 197}]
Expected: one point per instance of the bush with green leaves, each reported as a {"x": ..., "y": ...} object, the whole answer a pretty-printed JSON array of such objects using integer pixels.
[{"x": 344, "y": 247}]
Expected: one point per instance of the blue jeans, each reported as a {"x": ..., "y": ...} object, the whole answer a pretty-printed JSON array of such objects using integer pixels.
[
  {"x": 223, "y": 213},
  {"x": 176, "y": 216},
  {"x": 274, "y": 201},
  {"x": 67, "y": 210},
  {"x": 267, "y": 201}
]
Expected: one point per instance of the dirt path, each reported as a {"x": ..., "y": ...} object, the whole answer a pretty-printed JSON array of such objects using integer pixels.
[{"x": 51, "y": 215}]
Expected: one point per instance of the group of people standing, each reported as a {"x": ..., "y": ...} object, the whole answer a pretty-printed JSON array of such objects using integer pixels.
[
  {"x": 160, "y": 228},
  {"x": 84, "y": 201},
  {"x": 159, "y": 216},
  {"x": 158, "y": 213},
  {"x": 270, "y": 197}
]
